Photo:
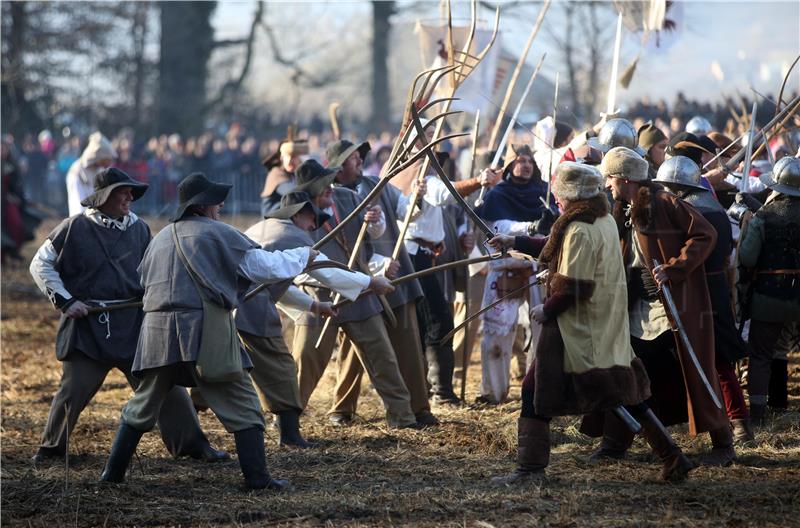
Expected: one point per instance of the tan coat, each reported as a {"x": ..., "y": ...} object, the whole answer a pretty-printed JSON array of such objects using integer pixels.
[{"x": 584, "y": 362}]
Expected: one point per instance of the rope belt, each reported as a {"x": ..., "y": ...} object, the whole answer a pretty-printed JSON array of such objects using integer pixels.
[{"x": 104, "y": 318}]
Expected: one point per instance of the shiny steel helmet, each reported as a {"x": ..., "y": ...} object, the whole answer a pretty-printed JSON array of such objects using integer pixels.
[
  {"x": 679, "y": 171},
  {"x": 617, "y": 133},
  {"x": 699, "y": 126},
  {"x": 786, "y": 175}
]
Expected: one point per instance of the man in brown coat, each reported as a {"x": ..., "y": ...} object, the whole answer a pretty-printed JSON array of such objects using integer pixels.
[{"x": 655, "y": 224}]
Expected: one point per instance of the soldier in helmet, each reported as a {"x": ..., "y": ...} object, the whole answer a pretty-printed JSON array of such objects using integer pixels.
[
  {"x": 699, "y": 126},
  {"x": 682, "y": 176},
  {"x": 616, "y": 132},
  {"x": 770, "y": 246},
  {"x": 280, "y": 171}
]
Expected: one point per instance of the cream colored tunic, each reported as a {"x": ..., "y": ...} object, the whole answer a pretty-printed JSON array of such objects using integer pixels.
[{"x": 595, "y": 331}]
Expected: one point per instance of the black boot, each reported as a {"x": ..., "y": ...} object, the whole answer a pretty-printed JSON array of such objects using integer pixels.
[
  {"x": 533, "y": 452},
  {"x": 121, "y": 453},
  {"x": 617, "y": 439},
  {"x": 289, "y": 425},
  {"x": 253, "y": 460},
  {"x": 205, "y": 452},
  {"x": 778, "y": 385},
  {"x": 676, "y": 465},
  {"x": 440, "y": 374}
]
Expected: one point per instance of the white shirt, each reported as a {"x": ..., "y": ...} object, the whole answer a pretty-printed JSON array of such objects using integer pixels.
[
  {"x": 43, "y": 265},
  {"x": 80, "y": 184},
  {"x": 429, "y": 223}
]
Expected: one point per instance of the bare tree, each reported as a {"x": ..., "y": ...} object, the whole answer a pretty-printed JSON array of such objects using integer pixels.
[{"x": 381, "y": 96}]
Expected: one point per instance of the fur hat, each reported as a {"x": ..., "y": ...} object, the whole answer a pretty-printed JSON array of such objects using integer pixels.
[
  {"x": 99, "y": 148},
  {"x": 622, "y": 162},
  {"x": 576, "y": 181}
]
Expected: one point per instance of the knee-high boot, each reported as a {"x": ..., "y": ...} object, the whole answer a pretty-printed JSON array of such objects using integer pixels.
[
  {"x": 676, "y": 465},
  {"x": 533, "y": 451},
  {"x": 617, "y": 439},
  {"x": 253, "y": 460},
  {"x": 121, "y": 453}
]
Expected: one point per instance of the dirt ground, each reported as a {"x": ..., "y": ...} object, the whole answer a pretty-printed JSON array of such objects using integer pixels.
[{"x": 365, "y": 475}]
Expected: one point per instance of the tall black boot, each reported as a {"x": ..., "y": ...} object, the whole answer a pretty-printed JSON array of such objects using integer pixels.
[
  {"x": 121, "y": 453},
  {"x": 778, "y": 384},
  {"x": 676, "y": 465},
  {"x": 253, "y": 460},
  {"x": 289, "y": 425},
  {"x": 440, "y": 374},
  {"x": 533, "y": 452}
]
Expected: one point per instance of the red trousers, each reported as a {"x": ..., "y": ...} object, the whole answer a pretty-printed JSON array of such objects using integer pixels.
[{"x": 731, "y": 391}]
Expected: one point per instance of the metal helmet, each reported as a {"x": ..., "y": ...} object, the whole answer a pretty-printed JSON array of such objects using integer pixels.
[
  {"x": 617, "y": 133},
  {"x": 786, "y": 175},
  {"x": 680, "y": 171},
  {"x": 699, "y": 126}
]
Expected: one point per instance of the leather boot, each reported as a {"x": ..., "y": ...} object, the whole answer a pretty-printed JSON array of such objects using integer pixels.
[
  {"x": 676, "y": 465},
  {"x": 617, "y": 439},
  {"x": 778, "y": 383},
  {"x": 253, "y": 460},
  {"x": 440, "y": 374},
  {"x": 121, "y": 453},
  {"x": 742, "y": 432},
  {"x": 533, "y": 452},
  {"x": 289, "y": 425},
  {"x": 722, "y": 452}
]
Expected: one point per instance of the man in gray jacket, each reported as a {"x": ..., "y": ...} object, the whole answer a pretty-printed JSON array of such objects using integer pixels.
[{"x": 193, "y": 274}]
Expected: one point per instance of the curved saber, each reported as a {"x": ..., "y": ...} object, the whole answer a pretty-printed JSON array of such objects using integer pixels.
[{"x": 677, "y": 327}]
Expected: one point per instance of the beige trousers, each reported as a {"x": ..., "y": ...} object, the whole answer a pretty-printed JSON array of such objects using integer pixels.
[
  {"x": 274, "y": 372},
  {"x": 234, "y": 402},
  {"x": 375, "y": 352},
  {"x": 406, "y": 343}
]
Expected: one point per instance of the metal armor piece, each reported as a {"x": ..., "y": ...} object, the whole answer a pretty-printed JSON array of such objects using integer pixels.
[
  {"x": 699, "y": 126},
  {"x": 679, "y": 171},
  {"x": 616, "y": 133},
  {"x": 703, "y": 201},
  {"x": 780, "y": 250},
  {"x": 786, "y": 175}
]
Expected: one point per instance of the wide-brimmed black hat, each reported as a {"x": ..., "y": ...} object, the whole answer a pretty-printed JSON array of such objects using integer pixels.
[
  {"x": 338, "y": 151},
  {"x": 313, "y": 178},
  {"x": 106, "y": 181},
  {"x": 294, "y": 202},
  {"x": 689, "y": 145},
  {"x": 196, "y": 189}
]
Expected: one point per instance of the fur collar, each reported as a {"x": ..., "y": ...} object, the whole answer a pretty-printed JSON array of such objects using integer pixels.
[
  {"x": 643, "y": 206},
  {"x": 586, "y": 211}
]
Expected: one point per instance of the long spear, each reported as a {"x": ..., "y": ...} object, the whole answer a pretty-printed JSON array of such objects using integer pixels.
[
  {"x": 748, "y": 155},
  {"x": 501, "y": 147},
  {"x": 515, "y": 75},
  {"x": 552, "y": 147},
  {"x": 465, "y": 344},
  {"x": 612, "y": 83}
]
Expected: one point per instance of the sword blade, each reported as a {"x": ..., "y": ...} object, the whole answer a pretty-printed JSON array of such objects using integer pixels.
[{"x": 612, "y": 83}]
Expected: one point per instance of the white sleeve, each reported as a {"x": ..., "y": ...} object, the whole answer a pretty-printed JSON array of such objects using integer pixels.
[
  {"x": 295, "y": 302},
  {"x": 73, "y": 192},
  {"x": 511, "y": 227},
  {"x": 346, "y": 283},
  {"x": 376, "y": 229},
  {"x": 44, "y": 273},
  {"x": 378, "y": 264},
  {"x": 261, "y": 266},
  {"x": 437, "y": 193}
]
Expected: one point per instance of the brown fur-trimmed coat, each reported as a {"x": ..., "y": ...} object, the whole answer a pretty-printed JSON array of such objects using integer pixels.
[
  {"x": 584, "y": 361},
  {"x": 676, "y": 234}
]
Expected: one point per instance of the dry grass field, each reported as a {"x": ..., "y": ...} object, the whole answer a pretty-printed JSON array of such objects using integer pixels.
[{"x": 365, "y": 475}]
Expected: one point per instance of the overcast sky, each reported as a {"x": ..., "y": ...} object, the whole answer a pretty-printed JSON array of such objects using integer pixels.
[{"x": 753, "y": 43}]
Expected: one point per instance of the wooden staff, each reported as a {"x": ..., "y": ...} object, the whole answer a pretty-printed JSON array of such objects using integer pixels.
[
  {"x": 466, "y": 345},
  {"x": 515, "y": 75}
]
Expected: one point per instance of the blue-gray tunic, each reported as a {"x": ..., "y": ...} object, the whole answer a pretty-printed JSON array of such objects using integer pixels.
[
  {"x": 99, "y": 263},
  {"x": 173, "y": 318}
]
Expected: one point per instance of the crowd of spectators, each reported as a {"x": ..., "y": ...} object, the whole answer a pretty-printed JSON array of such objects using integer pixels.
[{"x": 234, "y": 155}]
